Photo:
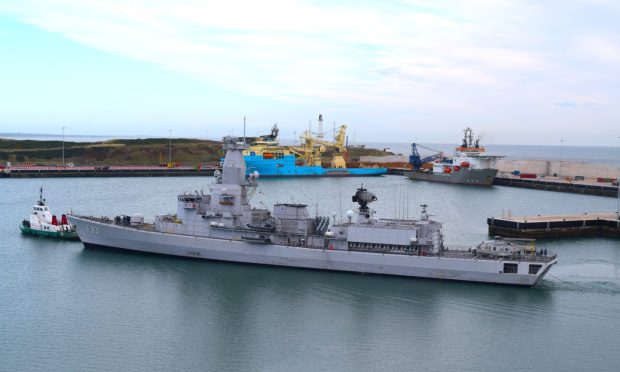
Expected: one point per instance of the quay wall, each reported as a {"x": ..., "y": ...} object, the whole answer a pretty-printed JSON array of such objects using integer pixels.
[
  {"x": 563, "y": 168},
  {"x": 385, "y": 159}
]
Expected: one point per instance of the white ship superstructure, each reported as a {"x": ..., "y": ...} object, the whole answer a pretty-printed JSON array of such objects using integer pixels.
[
  {"x": 470, "y": 164},
  {"x": 224, "y": 226},
  {"x": 43, "y": 223}
]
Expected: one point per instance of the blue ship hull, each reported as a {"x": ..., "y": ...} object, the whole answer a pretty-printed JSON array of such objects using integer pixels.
[{"x": 285, "y": 167}]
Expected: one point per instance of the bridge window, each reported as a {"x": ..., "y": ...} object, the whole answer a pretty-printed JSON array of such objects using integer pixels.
[
  {"x": 534, "y": 269},
  {"x": 510, "y": 268}
]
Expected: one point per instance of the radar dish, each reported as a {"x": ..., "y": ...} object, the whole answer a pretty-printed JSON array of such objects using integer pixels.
[{"x": 363, "y": 197}]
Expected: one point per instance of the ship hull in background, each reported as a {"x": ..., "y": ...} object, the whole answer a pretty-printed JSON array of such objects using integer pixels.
[{"x": 478, "y": 177}]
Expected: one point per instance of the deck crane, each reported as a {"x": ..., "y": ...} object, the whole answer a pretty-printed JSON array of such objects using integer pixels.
[
  {"x": 416, "y": 160},
  {"x": 312, "y": 147}
]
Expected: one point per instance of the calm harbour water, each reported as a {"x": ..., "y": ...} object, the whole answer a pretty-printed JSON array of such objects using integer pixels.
[{"x": 66, "y": 308}]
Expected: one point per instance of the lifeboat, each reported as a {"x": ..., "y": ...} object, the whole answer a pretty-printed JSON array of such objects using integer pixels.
[
  {"x": 447, "y": 170},
  {"x": 465, "y": 164}
]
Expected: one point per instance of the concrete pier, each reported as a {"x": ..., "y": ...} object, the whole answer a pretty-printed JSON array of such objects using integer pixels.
[
  {"x": 549, "y": 184},
  {"x": 558, "y": 226}
]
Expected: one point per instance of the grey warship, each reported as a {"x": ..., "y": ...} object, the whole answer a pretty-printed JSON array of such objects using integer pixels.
[{"x": 223, "y": 226}]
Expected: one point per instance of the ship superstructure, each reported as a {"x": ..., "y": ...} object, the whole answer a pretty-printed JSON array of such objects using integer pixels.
[
  {"x": 469, "y": 165},
  {"x": 43, "y": 223},
  {"x": 224, "y": 226}
]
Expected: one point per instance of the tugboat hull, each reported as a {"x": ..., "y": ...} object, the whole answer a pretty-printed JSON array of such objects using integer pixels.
[{"x": 62, "y": 235}]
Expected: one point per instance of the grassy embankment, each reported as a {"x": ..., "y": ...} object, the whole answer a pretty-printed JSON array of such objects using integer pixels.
[{"x": 149, "y": 151}]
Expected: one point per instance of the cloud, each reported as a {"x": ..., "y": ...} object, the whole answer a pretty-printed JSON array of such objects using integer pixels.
[
  {"x": 600, "y": 48},
  {"x": 291, "y": 48},
  {"x": 567, "y": 104},
  {"x": 426, "y": 56}
]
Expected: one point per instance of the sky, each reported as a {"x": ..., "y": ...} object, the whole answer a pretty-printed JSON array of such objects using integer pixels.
[{"x": 516, "y": 71}]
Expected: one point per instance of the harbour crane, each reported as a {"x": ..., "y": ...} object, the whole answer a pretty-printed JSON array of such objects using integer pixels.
[{"x": 416, "y": 160}]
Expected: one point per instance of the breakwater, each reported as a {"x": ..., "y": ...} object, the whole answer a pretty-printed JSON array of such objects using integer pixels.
[
  {"x": 558, "y": 168},
  {"x": 108, "y": 172},
  {"x": 562, "y": 186}
]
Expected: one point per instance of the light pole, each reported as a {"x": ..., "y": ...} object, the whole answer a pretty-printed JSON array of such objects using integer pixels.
[
  {"x": 170, "y": 148},
  {"x": 63, "y": 147},
  {"x": 618, "y": 182},
  {"x": 561, "y": 156}
]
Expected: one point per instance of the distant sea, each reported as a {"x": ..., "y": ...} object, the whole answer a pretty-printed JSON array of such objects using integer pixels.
[{"x": 592, "y": 154}]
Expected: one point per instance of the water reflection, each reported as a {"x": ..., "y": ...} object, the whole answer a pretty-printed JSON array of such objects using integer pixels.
[
  {"x": 114, "y": 310},
  {"x": 260, "y": 311}
]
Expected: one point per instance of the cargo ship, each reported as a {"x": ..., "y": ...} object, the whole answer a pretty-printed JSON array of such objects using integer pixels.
[
  {"x": 268, "y": 158},
  {"x": 470, "y": 165}
]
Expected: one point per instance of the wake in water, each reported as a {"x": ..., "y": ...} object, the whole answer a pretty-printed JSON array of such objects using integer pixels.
[{"x": 594, "y": 276}]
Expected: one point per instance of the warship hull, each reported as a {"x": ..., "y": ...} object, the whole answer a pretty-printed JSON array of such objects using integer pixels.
[
  {"x": 479, "y": 177},
  {"x": 95, "y": 233}
]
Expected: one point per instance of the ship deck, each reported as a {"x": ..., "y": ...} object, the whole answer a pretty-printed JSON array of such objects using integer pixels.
[
  {"x": 460, "y": 253},
  {"x": 520, "y": 257}
]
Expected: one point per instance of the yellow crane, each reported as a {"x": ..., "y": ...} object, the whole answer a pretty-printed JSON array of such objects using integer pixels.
[{"x": 312, "y": 148}]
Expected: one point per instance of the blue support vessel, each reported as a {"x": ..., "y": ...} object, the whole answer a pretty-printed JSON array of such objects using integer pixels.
[
  {"x": 266, "y": 156},
  {"x": 282, "y": 165}
]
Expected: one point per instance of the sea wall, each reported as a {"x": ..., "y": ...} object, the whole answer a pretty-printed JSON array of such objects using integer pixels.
[
  {"x": 560, "y": 168},
  {"x": 385, "y": 159},
  {"x": 564, "y": 168}
]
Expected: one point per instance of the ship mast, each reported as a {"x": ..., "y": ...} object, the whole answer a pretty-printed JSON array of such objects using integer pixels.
[{"x": 41, "y": 201}]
